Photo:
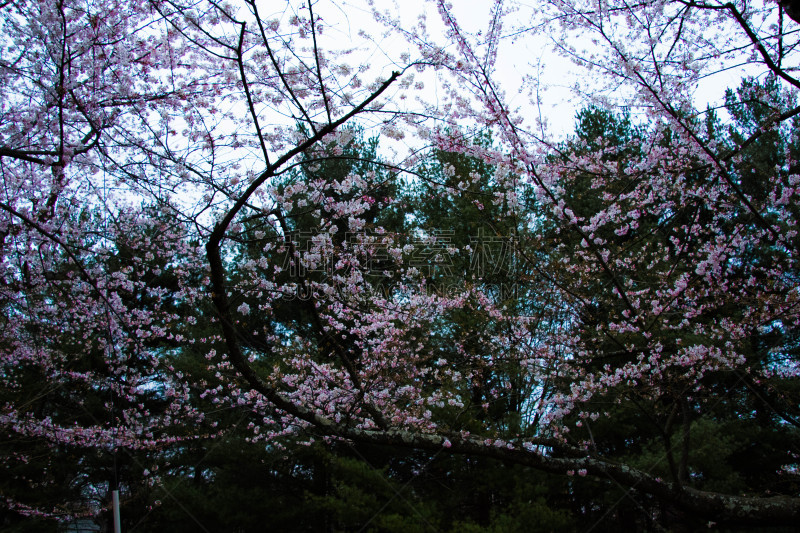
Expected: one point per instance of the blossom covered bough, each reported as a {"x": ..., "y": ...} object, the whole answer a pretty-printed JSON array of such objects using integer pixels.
[{"x": 144, "y": 144}]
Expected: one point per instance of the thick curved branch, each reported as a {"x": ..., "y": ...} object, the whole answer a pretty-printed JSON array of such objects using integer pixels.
[
  {"x": 218, "y": 272},
  {"x": 219, "y": 230},
  {"x": 791, "y": 8},
  {"x": 27, "y": 155},
  {"x": 762, "y": 51},
  {"x": 713, "y": 506}
]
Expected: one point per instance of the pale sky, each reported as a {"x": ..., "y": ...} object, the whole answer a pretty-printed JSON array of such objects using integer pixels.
[{"x": 549, "y": 93}]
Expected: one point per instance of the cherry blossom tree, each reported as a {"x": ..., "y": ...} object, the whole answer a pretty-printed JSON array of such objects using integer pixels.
[
  {"x": 653, "y": 56},
  {"x": 159, "y": 159}
]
